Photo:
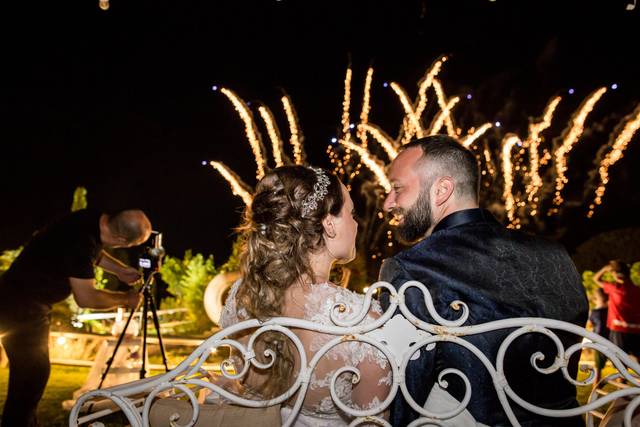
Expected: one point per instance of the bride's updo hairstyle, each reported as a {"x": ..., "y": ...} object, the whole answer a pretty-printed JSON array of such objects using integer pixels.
[{"x": 281, "y": 228}]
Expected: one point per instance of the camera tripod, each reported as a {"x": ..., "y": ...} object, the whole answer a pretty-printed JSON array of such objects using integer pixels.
[{"x": 148, "y": 305}]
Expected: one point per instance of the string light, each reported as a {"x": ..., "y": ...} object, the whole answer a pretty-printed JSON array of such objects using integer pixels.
[
  {"x": 617, "y": 152},
  {"x": 370, "y": 162},
  {"x": 533, "y": 142},
  {"x": 474, "y": 135},
  {"x": 103, "y": 4},
  {"x": 238, "y": 188},
  {"x": 250, "y": 129},
  {"x": 381, "y": 137},
  {"x": 276, "y": 141},
  {"x": 570, "y": 137},
  {"x": 442, "y": 116},
  {"x": 294, "y": 129},
  {"x": 509, "y": 141}
]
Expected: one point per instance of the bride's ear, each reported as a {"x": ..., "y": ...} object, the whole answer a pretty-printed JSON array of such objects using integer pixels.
[{"x": 328, "y": 223}]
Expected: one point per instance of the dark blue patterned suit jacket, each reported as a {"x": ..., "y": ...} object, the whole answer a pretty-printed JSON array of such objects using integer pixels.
[{"x": 500, "y": 273}]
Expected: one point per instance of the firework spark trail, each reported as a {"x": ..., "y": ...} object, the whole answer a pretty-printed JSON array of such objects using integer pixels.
[
  {"x": 346, "y": 103},
  {"x": 488, "y": 160},
  {"x": 570, "y": 137},
  {"x": 381, "y": 137},
  {"x": 426, "y": 82},
  {"x": 475, "y": 134},
  {"x": 421, "y": 103},
  {"x": 533, "y": 142},
  {"x": 369, "y": 161},
  {"x": 509, "y": 141},
  {"x": 294, "y": 129},
  {"x": 412, "y": 124},
  {"x": 238, "y": 187},
  {"x": 442, "y": 102},
  {"x": 274, "y": 136},
  {"x": 617, "y": 152},
  {"x": 250, "y": 129},
  {"x": 442, "y": 116},
  {"x": 366, "y": 107}
]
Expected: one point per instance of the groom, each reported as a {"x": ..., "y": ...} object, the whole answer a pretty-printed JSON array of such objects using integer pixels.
[{"x": 463, "y": 253}]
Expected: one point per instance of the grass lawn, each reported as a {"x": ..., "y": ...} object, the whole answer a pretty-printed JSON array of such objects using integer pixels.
[{"x": 64, "y": 380}]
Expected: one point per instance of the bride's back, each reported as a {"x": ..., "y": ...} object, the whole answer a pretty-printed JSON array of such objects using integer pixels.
[{"x": 315, "y": 303}]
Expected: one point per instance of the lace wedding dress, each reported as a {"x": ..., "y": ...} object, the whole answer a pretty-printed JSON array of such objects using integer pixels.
[{"x": 314, "y": 303}]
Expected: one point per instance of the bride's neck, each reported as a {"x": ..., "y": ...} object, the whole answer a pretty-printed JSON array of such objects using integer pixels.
[{"x": 321, "y": 265}]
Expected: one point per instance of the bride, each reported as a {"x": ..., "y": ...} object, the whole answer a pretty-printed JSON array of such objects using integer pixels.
[{"x": 300, "y": 223}]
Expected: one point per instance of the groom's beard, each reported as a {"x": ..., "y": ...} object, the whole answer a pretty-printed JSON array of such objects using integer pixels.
[{"x": 416, "y": 219}]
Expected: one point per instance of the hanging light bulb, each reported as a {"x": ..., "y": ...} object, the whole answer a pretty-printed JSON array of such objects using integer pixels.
[{"x": 104, "y": 4}]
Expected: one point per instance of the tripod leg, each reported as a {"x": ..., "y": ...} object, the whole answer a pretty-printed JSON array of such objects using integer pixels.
[
  {"x": 115, "y": 349},
  {"x": 145, "y": 310},
  {"x": 156, "y": 323}
]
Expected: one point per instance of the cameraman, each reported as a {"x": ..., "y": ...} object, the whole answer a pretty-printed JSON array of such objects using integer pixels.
[{"x": 58, "y": 261}]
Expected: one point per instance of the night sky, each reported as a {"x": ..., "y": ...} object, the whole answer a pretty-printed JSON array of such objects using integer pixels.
[{"x": 120, "y": 101}]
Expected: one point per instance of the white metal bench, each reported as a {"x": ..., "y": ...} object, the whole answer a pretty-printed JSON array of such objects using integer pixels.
[{"x": 398, "y": 338}]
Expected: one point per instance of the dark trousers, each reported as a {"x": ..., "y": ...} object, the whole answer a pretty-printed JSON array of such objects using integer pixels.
[{"x": 27, "y": 345}]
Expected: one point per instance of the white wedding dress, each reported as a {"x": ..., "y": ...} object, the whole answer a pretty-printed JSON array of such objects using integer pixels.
[{"x": 314, "y": 303}]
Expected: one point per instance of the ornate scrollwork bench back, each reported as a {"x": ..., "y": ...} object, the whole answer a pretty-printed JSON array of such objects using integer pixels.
[{"x": 398, "y": 337}]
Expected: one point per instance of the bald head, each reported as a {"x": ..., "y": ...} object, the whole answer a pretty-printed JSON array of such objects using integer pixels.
[{"x": 131, "y": 226}]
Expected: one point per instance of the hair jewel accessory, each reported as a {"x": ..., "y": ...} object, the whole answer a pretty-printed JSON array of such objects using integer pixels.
[
  {"x": 319, "y": 192},
  {"x": 263, "y": 228}
]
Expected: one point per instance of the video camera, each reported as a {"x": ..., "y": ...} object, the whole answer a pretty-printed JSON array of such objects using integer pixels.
[{"x": 150, "y": 259}]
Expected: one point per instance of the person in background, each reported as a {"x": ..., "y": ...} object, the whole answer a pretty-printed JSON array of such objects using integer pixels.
[
  {"x": 623, "y": 319},
  {"x": 59, "y": 261},
  {"x": 598, "y": 319}
]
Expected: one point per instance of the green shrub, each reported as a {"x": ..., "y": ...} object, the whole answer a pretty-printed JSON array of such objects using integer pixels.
[{"x": 187, "y": 279}]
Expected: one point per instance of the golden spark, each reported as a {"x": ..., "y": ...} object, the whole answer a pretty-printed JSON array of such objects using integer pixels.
[
  {"x": 366, "y": 107},
  {"x": 475, "y": 134},
  {"x": 442, "y": 116},
  {"x": 509, "y": 141},
  {"x": 238, "y": 187},
  {"x": 272, "y": 130},
  {"x": 412, "y": 121},
  {"x": 294, "y": 129},
  {"x": 346, "y": 103},
  {"x": 631, "y": 126},
  {"x": 533, "y": 143},
  {"x": 381, "y": 137},
  {"x": 570, "y": 137},
  {"x": 426, "y": 83},
  {"x": 371, "y": 162},
  {"x": 442, "y": 102},
  {"x": 250, "y": 129}
]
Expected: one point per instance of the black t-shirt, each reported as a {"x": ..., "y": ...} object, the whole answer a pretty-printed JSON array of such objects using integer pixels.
[{"x": 66, "y": 248}]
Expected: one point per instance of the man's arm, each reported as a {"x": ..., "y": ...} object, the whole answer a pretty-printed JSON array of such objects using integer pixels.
[
  {"x": 420, "y": 373},
  {"x": 87, "y": 296},
  {"x": 115, "y": 266}
]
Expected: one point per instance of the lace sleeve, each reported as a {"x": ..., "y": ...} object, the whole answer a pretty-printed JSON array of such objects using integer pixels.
[
  {"x": 376, "y": 380},
  {"x": 230, "y": 314}
]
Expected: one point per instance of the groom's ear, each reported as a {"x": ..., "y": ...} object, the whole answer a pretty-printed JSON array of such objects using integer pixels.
[
  {"x": 443, "y": 190},
  {"x": 329, "y": 226}
]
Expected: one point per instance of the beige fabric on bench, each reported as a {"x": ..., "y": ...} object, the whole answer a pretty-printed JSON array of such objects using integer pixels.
[{"x": 213, "y": 415}]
